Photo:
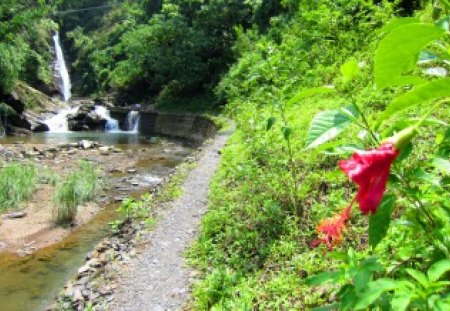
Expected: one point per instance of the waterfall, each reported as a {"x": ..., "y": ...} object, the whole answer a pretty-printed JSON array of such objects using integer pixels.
[
  {"x": 112, "y": 125},
  {"x": 61, "y": 69},
  {"x": 58, "y": 123},
  {"x": 132, "y": 121}
]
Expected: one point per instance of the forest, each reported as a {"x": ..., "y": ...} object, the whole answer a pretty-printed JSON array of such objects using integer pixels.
[{"x": 333, "y": 191}]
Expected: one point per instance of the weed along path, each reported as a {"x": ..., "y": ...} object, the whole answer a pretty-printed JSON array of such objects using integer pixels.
[{"x": 158, "y": 279}]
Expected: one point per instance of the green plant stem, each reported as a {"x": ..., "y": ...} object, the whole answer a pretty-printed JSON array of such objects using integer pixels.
[{"x": 293, "y": 167}]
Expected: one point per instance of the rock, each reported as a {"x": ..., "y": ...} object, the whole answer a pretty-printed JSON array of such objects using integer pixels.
[
  {"x": 94, "y": 262},
  {"x": 83, "y": 281},
  {"x": 77, "y": 295},
  {"x": 85, "y": 144},
  {"x": 14, "y": 215},
  {"x": 104, "y": 150},
  {"x": 84, "y": 270},
  {"x": 131, "y": 171}
]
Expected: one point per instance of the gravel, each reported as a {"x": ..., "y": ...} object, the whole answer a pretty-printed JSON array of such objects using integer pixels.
[{"x": 158, "y": 278}]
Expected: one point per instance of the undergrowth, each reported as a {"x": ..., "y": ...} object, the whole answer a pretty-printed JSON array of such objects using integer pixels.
[
  {"x": 77, "y": 187},
  {"x": 17, "y": 183},
  {"x": 270, "y": 192}
]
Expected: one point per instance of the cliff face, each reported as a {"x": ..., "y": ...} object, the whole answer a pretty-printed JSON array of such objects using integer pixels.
[{"x": 21, "y": 108}]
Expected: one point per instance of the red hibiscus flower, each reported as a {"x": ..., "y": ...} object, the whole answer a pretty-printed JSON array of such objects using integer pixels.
[
  {"x": 370, "y": 171},
  {"x": 330, "y": 229}
]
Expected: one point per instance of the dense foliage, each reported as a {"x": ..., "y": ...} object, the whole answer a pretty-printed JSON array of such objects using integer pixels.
[
  {"x": 25, "y": 43},
  {"x": 158, "y": 50},
  {"x": 280, "y": 194}
]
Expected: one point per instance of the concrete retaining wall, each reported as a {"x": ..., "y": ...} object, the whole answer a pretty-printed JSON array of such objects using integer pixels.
[{"x": 185, "y": 126}]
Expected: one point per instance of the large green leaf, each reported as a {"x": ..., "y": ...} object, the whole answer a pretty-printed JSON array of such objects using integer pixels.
[
  {"x": 398, "y": 52},
  {"x": 310, "y": 92},
  {"x": 379, "y": 221},
  {"x": 436, "y": 271},
  {"x": 375, "y": 290},
  {"x": 326, "y": 125},
  {"x": 349, "y": 70},
  {"x": 441, "y": 164},
  {"x": 421, "y": 94}
]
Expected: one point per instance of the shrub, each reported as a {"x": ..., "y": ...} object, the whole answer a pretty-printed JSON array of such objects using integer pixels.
[
  {"x": 78, "y": 187},
  {"x": 17, "y": 183}
]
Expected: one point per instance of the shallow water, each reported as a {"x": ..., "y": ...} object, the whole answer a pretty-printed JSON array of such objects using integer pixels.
[{"x": 32, "y": 282}]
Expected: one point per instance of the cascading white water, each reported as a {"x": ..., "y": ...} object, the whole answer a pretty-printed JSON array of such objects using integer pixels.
[
  {"x": 112, "y": 125},
  {"x": 58, "y": 123},
  {"x": 61, "y": 69},
  {"x": 132, "y": 121}
]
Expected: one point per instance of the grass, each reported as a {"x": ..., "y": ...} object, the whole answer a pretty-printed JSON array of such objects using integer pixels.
[
  {"x": 17, "y": 183},
  {"x": 78, "y": 187}
]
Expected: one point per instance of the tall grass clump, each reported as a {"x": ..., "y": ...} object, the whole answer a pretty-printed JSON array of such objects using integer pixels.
[
  {"x": 17, "y": 183},
  {"x": 78, "y": 187}
]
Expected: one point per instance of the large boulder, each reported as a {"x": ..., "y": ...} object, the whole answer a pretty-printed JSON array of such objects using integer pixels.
[{"x": 86, "y": 119}]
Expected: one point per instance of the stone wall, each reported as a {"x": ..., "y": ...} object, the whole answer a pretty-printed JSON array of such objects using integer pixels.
[{"x": 185, "y": 126}]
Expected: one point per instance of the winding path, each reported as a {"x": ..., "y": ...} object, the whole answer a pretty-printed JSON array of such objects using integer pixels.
[{"x": 159, "y": 279}]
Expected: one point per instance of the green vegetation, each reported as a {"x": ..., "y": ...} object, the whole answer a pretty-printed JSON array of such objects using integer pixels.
[
  {"x": 162, "y": 52},
  {"x": 17, "y": 183},
  {"x": 279, "y": 185},
  {"x": 25, "y": 43},
  {"x": 77, "y": 187}
]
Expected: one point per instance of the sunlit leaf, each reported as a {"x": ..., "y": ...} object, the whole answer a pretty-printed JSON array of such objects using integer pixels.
[
  {"x": 418, "y": 276},
  {"x": 374, "y": 291},
  {"x": 327, "y": 125},
  {"x": 349, "y": 70},
  {"x": 438, "y": 269},
  {"x": 398, "y": 52},
  {"x": 310, "y": 92},
  {"x": 441, "y": 164},
  {"x": 424, "y": 93}
]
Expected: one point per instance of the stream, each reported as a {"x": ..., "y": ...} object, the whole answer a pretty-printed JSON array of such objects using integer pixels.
[{"x": 32, "y": 282}]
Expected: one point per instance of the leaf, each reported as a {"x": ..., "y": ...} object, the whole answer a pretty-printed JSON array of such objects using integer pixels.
[
  {"x": 401, "y": 302},
  {"x": 327, "y": 125},
  {"x": 441, "y": 164},
  {"x": 321, "y": 278},
  {"x": 398, "y": 52},
  {"x": 310, "y": 92},
  {"x": 436, "y": 271},
  {"x": 379, "y": 221},
  {"x": 418, "y": 276},
  {"x": 397, "y": 22},
  {"x": 334, "y": 306},
  {"x": 349, "y": 70},
  {"x": 287, "y": 131},
  {"x": 432, "y": 90},
  {"x": 374, "y": 291},
  {"x": 270, "y": 123}
]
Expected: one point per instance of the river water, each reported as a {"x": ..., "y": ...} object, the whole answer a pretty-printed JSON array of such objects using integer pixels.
[{"x": 32, "y": 282}]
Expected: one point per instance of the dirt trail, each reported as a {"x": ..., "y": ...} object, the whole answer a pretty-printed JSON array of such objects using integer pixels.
[{"x": 158, "y": 279}]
